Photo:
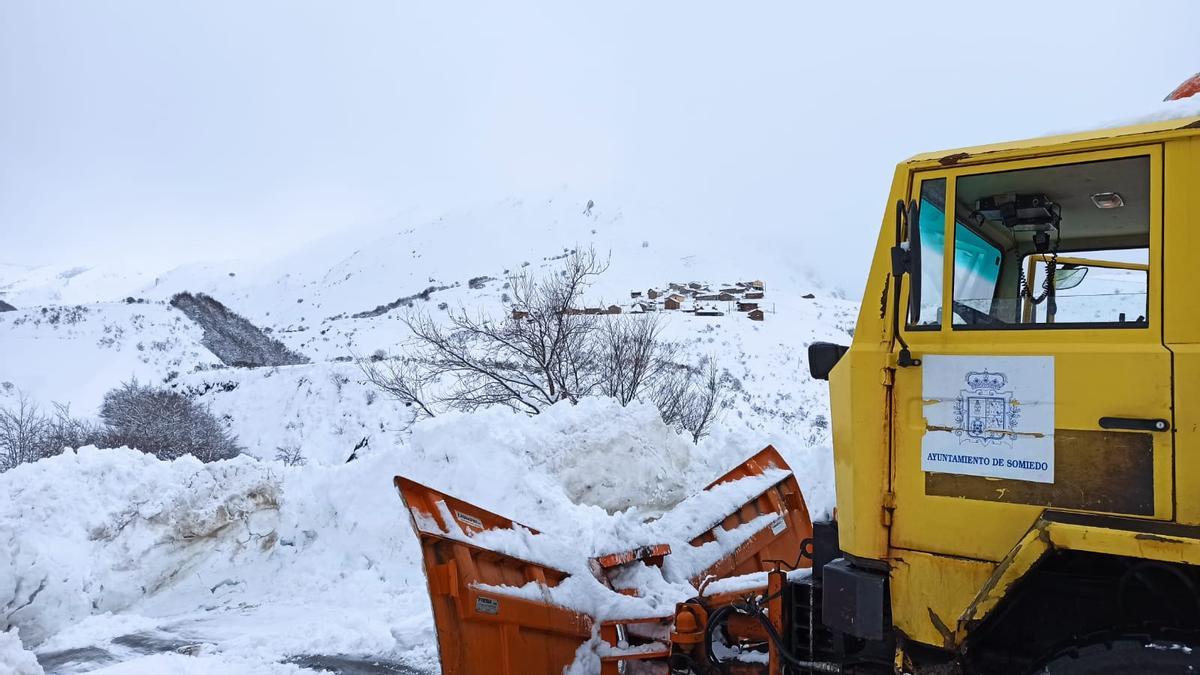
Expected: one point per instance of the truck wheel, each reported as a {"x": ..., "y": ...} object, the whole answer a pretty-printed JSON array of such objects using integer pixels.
[{"x": 1126, "y": 654}]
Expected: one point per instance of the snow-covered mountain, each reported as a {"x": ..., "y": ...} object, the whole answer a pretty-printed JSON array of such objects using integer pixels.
[
  {"x": 253, "y": 566},
  {"x": 80, "y": 331}
]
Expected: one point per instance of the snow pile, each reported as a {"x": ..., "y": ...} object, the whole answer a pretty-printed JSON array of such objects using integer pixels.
[
  {"x": 14, "y": 660},
  {"x": 551, "y": 457},
  {"x": 596, "y": 453},
  {"x": 658, "y": 590},
  {"x": 96, "y": 530},
  {"x": 252, "y": 564}
]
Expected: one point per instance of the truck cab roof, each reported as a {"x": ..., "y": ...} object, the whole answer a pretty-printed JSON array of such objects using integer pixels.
[{"x": 1083, "y": 140}]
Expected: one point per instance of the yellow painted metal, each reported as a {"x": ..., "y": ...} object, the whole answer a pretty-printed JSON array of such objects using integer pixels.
[
  {"x": 1047, "y": 535},
  {"x": 1134, "y": 381},
  {"x": 1090, "y": 262},
  {"x": 947, "y": 542},
  {"x": 1048, "y": 146},
  {"x": 1181, "y": 302},
  {"x": 931, "y": 610},
  {"x": 860, "y": 395},
  {"x": 1187, "y": 432},
  {"x": 1016, "y": 564}
]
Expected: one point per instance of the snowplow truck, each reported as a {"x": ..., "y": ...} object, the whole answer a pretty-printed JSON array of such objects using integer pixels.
[{"x": 1016, "y": 440}]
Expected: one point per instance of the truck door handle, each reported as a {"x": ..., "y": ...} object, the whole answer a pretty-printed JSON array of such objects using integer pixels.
[{"x": 1135, "y": 423}]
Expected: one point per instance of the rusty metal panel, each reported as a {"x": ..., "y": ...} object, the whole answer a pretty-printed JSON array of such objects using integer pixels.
[{"x": 1105, "y": 471}]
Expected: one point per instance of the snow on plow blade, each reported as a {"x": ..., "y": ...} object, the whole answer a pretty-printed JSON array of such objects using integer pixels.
[
  {"x": 481, "y": 632},
  {"x": 503, "y": 606},
  {"x": 781, "y": 541}
]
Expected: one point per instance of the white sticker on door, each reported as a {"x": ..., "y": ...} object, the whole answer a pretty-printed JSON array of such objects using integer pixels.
[{"x": 989, "y": 416}]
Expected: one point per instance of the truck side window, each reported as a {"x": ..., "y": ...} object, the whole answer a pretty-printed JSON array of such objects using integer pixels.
[
  {"x": 932, "y": 221},
  {"x": 1053, "y": 247}
]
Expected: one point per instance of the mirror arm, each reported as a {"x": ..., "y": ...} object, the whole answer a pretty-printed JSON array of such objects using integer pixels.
[{"x": 901, "y": 262}]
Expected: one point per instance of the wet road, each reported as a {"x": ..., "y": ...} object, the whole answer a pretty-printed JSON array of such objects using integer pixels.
[{"x": 126, "y": 647}]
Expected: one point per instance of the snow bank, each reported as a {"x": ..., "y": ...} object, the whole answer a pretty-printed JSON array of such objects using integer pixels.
[
  {"x": 596, "y": 453},
  {"x": 94, "y": 530},
  {"x": 258, "y": 563},
  {"x": 14, "y": 660}
]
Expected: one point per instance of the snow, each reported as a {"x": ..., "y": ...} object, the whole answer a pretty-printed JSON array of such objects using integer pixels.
[
  {"x": 75, "y": 353},
  {"x": 14, "y": 659},
  {"x": 253, "y": 562},
  {"x": 307, "y": 299},
  {"x": 252, "y": 566},
  {"x": 68, "y": 552},
  {"x": 1163, "y": 111},
  {"x": 747, "y": 582}
]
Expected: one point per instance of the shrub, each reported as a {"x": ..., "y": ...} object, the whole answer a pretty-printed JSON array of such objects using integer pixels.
[
  {"x": 27, "y": 435},
  {"x": 291, "y": 455},
  {"x": 164, "y": 423}
]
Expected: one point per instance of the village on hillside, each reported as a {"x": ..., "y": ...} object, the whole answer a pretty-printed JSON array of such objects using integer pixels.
[{"x": 693, "y": 298}]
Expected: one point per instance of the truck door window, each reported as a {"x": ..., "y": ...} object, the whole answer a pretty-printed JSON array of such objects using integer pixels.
[
  {"x": 1053, "y": 247},
  {"x": 1105, "y": 287},
  {"x": 932, "y": 221}
]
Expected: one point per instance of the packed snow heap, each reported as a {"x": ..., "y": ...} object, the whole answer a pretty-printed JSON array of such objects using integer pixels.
[{"x": 247, "y": 565}]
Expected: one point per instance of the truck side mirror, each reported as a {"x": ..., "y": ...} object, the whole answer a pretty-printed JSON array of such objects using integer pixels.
[
  {"x": 822, "y": 357},
  {"x": 906, "y": 259},
  {"x": 1068, "y": 277},
  {"x": 906, "y": 256}
]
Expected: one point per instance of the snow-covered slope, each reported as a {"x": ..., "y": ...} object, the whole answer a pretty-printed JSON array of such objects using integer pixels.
[
  {"x": 251, "y": 565},
  {"x": 244, "y": 565},
  {"x": 74, "y": 353},
  {"x": 309, "y": 300}
]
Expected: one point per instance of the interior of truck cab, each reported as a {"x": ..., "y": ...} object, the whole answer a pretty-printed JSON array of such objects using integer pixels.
[{"x": 1048, "y": 247}]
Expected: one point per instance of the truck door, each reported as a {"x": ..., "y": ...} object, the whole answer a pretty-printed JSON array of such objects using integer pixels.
[{"x": 1049, "y": 389}]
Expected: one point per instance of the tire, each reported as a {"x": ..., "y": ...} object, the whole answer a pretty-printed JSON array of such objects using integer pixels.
[{"x": 1124, "y": 655}]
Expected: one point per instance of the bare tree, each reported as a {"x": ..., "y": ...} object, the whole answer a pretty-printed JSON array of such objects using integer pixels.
[
  {"x": 541, "y": 354},
  {"x": 65, "y": 431},
  {"x": 404, "y": 379},
  {"x": 22, "y": 433},
  {"x": 633, "y": 357},
  {"x": 290, "y": 455},
  {"x": 545, "y": 350},
  {"x": 27, "y": 434},
  {"x": 704, "y": 405},
  {"x": 672, "y": 394}
]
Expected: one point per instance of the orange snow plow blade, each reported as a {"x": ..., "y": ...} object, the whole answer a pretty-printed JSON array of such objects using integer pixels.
[
  {"x": 491, "y": 620},
  {"x": 779, "y": 544},
  {"x": 481, "y": 632}
]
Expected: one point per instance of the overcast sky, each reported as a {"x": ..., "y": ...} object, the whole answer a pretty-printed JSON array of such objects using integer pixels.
[{"x": 157, "y": 132}]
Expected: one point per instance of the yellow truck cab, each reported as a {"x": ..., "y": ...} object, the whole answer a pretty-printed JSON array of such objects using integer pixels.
[{"x": 1016, "y": 424}]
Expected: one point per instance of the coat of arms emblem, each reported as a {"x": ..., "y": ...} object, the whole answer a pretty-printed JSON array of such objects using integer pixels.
[{"x": 984, "y": 413}]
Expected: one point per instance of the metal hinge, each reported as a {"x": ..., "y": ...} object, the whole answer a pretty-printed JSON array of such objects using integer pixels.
[{"x": 889, "y": 505}]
